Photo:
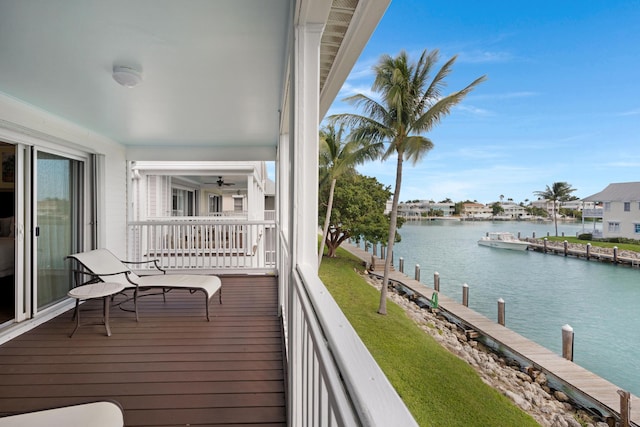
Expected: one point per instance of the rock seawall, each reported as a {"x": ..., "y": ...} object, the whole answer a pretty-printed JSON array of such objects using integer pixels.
[{"x": 527, "y": 389}]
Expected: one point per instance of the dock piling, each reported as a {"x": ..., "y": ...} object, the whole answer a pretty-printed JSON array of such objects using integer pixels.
[
  {"x": 417, "y": 272},
  {"x": 465, "y": 295},
  {"x": 588, "y": 251},
  {"x": 625, "y": 408},
  {"x": 615, "y": 254},
  {"x": 436, "y": 281},
  {"x": 401, "y": 264},
  {"x": 567, "y": 342},
  {"x": 565, "y": 245},
  {"x": 501, "y": 311}
]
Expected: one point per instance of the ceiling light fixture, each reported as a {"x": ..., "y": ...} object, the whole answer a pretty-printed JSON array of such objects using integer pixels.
[{"x": 127, "y": 76}]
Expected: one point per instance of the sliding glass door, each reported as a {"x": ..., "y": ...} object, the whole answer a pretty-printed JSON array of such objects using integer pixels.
[
  {"x": 7, "y": 233},
  {"x": 58, "y": 223}
]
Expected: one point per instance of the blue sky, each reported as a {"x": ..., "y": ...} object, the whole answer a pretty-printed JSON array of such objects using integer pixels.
[{"x": 561, "y": 103}]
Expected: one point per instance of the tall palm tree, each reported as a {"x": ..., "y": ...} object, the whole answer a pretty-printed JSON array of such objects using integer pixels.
[
  {"x": 559, "y": 191},
  {"x": 337, "y": 158},
  {"x": 409, "y": 107}
]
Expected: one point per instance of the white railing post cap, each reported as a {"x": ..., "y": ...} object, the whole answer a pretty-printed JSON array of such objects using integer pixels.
[
  {"x": 500, "y": 300},
  {"x": 567, "y": 328}
]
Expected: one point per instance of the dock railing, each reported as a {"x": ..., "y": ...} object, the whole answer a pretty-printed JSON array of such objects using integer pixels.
[{"x": 206, "y": 244}]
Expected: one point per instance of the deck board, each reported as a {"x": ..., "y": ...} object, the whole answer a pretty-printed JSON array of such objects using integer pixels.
[{"x": 171, "y": 368}]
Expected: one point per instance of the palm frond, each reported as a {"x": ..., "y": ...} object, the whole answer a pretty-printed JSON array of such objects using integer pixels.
[{"x": 416, "y": 147}]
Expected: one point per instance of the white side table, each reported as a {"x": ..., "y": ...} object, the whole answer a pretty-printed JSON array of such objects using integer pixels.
[{"x": 102, "y": 290}]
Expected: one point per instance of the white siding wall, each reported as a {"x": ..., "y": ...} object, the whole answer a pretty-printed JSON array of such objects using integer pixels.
[
  {"x": 20, "y": 122},
  {"x": 627, "y": 220}
]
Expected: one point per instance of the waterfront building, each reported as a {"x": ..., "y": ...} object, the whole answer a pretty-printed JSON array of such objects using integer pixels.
[
  {"x": 476, "y": 211},
  {"x": 620, "y": 210},
  {"x": 513, "y": 210},
  {"x": 162, "y": 190},
  {"x": 574, "y": 205},
  {"x": 423, "y": 208},
  {"x": 88, "y": 87}
]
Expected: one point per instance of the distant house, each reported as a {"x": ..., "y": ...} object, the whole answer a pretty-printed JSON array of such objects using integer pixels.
[
  {"x": 620, "y": 209},
  {"x": 476, "y": 210},
  {"x": 162, "y": 190},
  {"x": 574, "y": 205},
  {"x": 423, "y": 208},
  {"x": 513, "y": 210}
]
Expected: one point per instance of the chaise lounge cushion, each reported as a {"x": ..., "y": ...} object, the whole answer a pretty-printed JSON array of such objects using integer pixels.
[
  {"x": 104, "y": 265},
  {"x": 94, "y": 414}
]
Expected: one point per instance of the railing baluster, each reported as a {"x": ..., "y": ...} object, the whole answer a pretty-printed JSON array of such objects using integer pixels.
[{"x": 204, "y": 244}]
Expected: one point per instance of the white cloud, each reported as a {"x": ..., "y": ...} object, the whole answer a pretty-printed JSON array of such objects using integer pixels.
[
  {"x": 484, "y": 56},
  {"x": 635, "y": 112},
  {"x": 506, "y": 95},
  {"x": 476, "y": 111}
]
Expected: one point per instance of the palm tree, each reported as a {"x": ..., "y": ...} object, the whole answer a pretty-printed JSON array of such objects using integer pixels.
[
  {"x": 559, "y": 191},
  {"x": 409, "y": 107},
  {"x": 337, "y": 158}
]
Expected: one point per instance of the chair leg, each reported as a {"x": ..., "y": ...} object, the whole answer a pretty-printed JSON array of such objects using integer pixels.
[
  {"x": 206, "y": 297},
  {"x": 77, "y": 315},
  {"x": 135, "y": 303}
]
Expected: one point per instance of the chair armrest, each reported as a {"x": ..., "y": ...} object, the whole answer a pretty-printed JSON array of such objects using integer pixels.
[
  {"x": 154, "y": 261},
  {"x": 94, "y": 277}
]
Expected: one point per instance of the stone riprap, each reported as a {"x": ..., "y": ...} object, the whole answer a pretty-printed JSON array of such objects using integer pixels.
[{"x": 528, "y": 390}]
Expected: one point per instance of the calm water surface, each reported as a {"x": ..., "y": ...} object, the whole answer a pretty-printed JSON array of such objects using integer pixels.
[{"x": 542, "y": 292}]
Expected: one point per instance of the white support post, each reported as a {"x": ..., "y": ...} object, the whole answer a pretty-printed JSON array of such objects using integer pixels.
[
  {"x": 306, "y": 87},
  {"x": 304, "y": 145}
]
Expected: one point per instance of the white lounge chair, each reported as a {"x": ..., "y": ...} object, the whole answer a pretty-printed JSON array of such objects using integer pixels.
[
  {"x": 94, "y": 414},
  {"x": 104, "y": 266}
]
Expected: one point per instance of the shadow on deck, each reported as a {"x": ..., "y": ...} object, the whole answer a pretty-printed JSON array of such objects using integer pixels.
[{"x": 171, "y": 368}]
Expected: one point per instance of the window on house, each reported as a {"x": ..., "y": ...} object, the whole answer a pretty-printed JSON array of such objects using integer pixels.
[
  {"x": 636, "y": 228},
  {"x": 215, "y": 204},
  {"x": 238, "y": 204},
  {"x": 182, "y": 202},
  {"x": 607, "y": 206},
  {"x": 614, "y": 227},
  {"x": 627, "y": 206}
]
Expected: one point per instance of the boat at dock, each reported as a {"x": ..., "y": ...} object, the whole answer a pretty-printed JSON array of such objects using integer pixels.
[{"x": 503, "y": 240}]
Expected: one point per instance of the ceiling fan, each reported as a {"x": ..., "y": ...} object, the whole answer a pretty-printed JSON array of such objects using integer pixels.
[{"x": 221, "y": 182}]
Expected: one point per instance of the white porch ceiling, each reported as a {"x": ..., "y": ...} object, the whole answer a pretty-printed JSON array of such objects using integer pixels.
[{"x": 214, "y": 71}]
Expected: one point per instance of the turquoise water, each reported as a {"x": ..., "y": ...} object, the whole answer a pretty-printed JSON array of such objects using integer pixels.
[{"x": 541, "y": 292}]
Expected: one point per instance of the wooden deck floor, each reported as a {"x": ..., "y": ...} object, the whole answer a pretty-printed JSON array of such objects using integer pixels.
[{"x": 172, "y": 368}]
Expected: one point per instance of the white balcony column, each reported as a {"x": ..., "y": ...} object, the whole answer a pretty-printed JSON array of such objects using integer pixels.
[
  {"x": 304, "y": 209},
  {"x": 306, "y": 81}
]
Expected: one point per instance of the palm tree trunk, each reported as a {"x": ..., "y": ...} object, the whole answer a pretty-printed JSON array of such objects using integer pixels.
[
  {"x": 327, "y": 219},
  {"x": 555, "y": 217},
  {"x": 393, "y": 222}
]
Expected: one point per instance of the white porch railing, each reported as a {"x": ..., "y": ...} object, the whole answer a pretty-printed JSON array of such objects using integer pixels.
[
  {"x": 333, "y": 379},
  {"x": 592, "y": 213},
  {"x": 208, "y": 244}
]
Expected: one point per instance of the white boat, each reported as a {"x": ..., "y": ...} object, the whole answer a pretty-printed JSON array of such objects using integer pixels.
[{"x": 503, "y": 240}]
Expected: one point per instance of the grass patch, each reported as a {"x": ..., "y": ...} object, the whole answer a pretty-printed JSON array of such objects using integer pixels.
[
  {"x": 621, "y": 246},
  {"x": 438, "y": 388}
]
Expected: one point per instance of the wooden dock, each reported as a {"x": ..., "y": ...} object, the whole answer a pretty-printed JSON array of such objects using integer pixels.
[
  {"x": 578, "y": 382},
  {"x": 587, "y": 255}
]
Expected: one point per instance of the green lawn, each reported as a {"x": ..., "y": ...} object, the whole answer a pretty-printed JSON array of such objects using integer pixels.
[
  {"x": 621, "y": 246},
  {"x": 438, "y": 388}
]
